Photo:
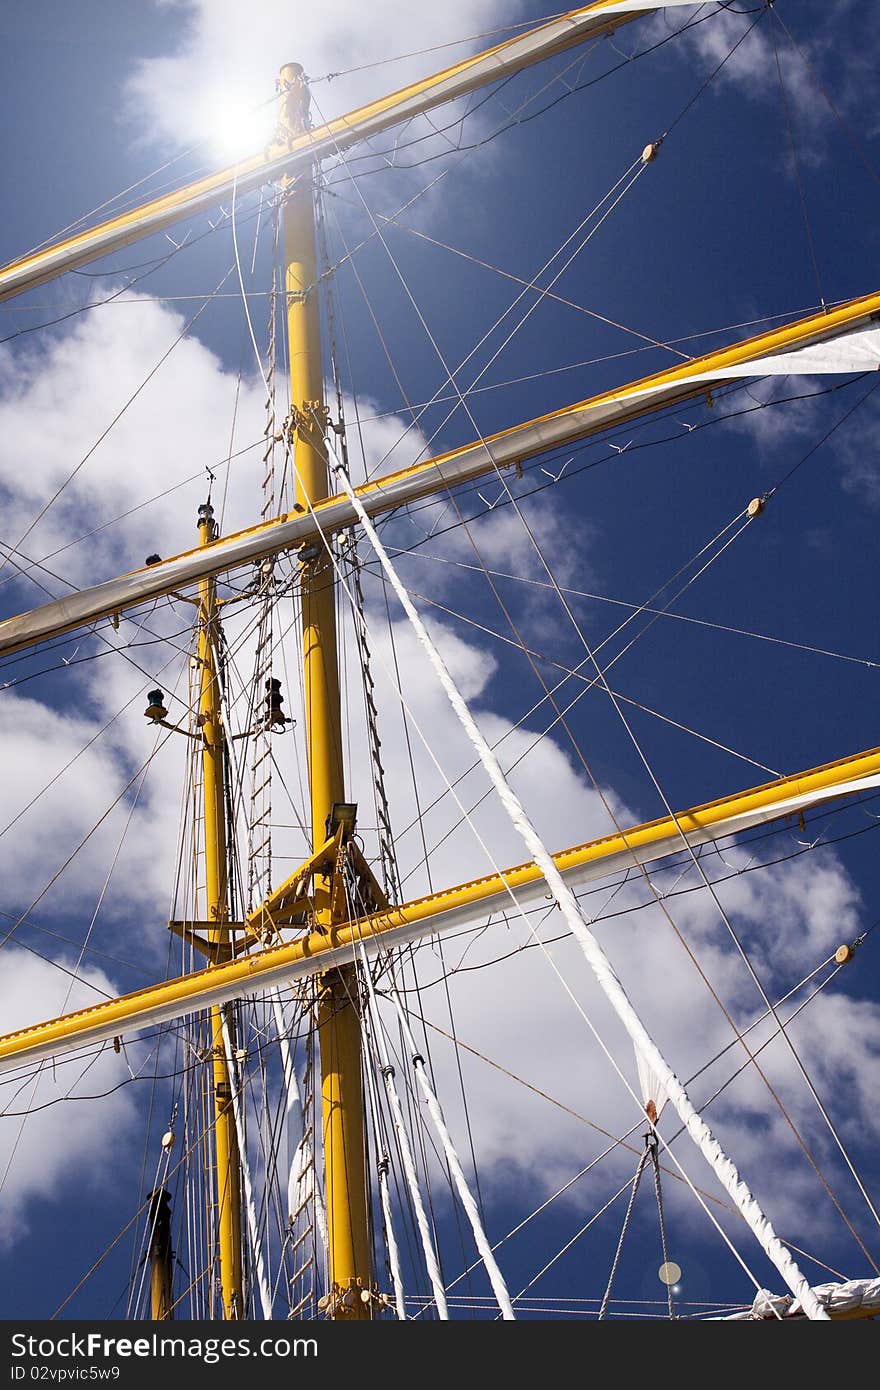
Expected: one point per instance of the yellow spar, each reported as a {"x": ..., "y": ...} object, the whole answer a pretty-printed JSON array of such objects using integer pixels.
[
  {"x": 303, "y": 148},
  {"x": 519, "y": 442},
  {"x": 312, "y": 953}
]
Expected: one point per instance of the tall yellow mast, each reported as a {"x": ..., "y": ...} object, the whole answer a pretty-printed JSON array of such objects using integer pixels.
[
  {"x": 227, "y": 1163},
  {"x": 339, "y": 1027}
]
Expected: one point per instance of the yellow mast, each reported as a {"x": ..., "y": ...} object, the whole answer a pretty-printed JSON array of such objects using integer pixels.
[
  {"x": 339, "y": 1027},
  {"x": 227, "y": 1165}
]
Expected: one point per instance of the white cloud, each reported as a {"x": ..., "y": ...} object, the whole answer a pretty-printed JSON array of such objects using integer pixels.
[
  {"x": 230, "y": 56},
  {"x": 750, "y": 63},
  {"x": 774, "y": 426},
  {"x": 56, "y": 404},
  {"x": 857, "y": 457},
  {"x": 66, "y": 1150},
  {"x": 38, "y": 744}
]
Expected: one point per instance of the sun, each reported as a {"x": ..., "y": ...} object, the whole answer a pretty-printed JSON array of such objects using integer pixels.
[{"x": 236, "y": 129}]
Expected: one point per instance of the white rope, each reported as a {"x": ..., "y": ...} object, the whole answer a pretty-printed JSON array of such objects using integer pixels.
[
  {"x": 409, "y": 1167},
  {"x": 496, "y": 1278},
  {"x": 599, "y": 963},
  {"x": 302, "y": 1160},
  {"x": 393, "y": 1252},
  {"x": 383, "y": 1167},
  {"x": 253, "y": 1225}
]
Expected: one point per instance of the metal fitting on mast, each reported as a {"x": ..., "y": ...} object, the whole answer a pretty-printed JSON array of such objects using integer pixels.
[{"x": 293, "y": 87}]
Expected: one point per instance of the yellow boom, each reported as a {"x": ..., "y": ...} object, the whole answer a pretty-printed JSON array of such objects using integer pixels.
[{"x": 320, "y": 950}]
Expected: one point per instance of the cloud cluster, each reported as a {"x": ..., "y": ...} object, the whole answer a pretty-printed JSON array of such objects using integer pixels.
[
  {"x": 51, "y": 1145},
  {"x": 857, "y": 459},
  {"x": 218, "y": 86}
]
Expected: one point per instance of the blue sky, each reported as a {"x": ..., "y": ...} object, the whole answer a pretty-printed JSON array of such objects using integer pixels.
[{"x": 725, "y": 229}]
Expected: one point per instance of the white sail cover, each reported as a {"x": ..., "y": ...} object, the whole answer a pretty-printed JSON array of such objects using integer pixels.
[
  {"x": 854, "y": 1297},
  {"x": 856, "y": 351},
  {"x": 652, "y": 1087}
]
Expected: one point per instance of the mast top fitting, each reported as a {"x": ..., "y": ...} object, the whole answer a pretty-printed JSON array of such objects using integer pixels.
[{"x": 293, "y": 86}]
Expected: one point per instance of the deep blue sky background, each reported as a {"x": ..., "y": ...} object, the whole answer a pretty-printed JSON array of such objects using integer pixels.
[{"x": 713, "y": 236}]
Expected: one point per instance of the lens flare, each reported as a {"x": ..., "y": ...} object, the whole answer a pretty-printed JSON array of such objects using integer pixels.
[{"x": 237, "y": 129}]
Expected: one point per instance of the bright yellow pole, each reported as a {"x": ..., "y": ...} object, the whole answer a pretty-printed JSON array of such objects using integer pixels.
[
  {"x": 227, "y": 1166},
  {"x": 339, "y": 1028}
]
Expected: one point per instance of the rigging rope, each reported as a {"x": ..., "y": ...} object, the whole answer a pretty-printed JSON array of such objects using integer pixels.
[
  {"x": 799, "y": 178},
  {"x": 636, "y": 607},
  {"x": 406, "y": 1154},
  {"x": 385, "y": 835},
  {"x": 589, "y": 681},
  {"x": 383, "y": 1165},
  {"x": 651, "y": 1143},
  {"x": 559, "y": 715},
  {"x": 599, "y": 963},
  {"x": 253, "y": 1226},
  {"x": 496, "y": 1279},
  {"x": 640, "y": 1168}
]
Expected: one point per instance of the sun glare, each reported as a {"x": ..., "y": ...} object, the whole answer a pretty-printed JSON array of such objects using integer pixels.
[{"x": 237, "y": 130}]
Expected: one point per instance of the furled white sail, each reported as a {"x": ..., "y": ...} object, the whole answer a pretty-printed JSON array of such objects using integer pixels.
[
  {"x": 855, "y": 351},
  {"x": 851, "y": 1298}
]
